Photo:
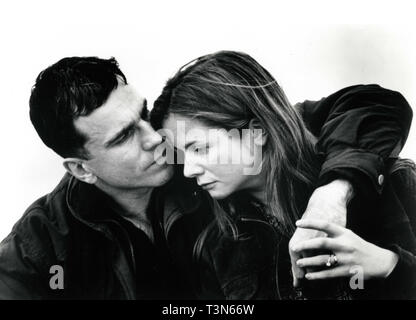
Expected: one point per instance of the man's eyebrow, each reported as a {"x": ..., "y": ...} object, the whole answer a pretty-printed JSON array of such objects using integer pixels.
[
  {"x": 144, "y": 104},
  {"x": 121, "y": 133},
  {"x": 144, "y": 111}
]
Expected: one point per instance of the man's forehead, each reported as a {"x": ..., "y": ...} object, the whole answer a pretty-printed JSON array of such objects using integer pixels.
[{"x": 122, "y": 106}]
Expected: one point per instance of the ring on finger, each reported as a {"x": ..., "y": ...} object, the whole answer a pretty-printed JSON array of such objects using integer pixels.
[{"x": 332, "y": 260}]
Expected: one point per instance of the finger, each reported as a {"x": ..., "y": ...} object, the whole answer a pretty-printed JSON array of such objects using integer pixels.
[
  {"x": 297, "y": 278},
  {"x": 336, "y": 272},
  {"x": 318, "y": 243},
  {"x": 316, "y": 261},
  {"x": 297, "y": 272},
  {"x": 329, "y": 228}
]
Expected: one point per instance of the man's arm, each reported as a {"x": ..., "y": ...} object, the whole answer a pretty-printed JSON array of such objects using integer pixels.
[{"x": 358, "y": 129}]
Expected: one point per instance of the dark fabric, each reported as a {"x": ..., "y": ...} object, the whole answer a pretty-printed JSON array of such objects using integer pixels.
[
  {"x": 391, "y": 225},
  {"x": 49, "y": 233},
  {"x": 256, "y": 264},
  {"x": 75, "y": 227},
  {"x": 156, "y": 276},
  {"x": 357, "y": 128}
]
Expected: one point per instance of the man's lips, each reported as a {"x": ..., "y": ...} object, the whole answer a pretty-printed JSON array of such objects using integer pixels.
[{"x": 157, "y": 162}]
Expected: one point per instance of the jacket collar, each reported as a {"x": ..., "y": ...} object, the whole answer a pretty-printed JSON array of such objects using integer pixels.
[
  {"x": 92, "y": 207},
  {"x": 182, "y": 196},
  {"x": 89, "y": 205}
]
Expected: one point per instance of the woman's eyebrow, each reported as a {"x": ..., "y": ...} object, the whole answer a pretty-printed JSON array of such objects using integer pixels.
[{"x": 189, "y": 143}]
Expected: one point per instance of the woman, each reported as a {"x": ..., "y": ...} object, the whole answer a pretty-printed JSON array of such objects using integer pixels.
[{"x": 250, "y": 150}]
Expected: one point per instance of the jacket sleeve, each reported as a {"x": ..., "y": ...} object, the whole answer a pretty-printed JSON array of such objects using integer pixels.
[
  {"x": 21, "y": 273},
  {"x": 401, "y": 283},
  {"x": 358, "y": 129}
]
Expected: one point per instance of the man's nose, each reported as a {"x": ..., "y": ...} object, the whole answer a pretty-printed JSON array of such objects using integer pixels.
[
  {"x": 191, "y": 169},
  {"x": 151, "y": 139}
]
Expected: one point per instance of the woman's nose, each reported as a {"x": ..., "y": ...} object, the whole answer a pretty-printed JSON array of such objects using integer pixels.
[{"x": 191, "y": 169}]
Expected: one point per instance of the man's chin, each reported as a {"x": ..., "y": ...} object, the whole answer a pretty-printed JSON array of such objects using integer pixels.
[{"x": 164, "y": 174}]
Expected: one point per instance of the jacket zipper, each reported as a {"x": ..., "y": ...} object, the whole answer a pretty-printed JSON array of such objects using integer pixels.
[{"x": 126, "y": 236}]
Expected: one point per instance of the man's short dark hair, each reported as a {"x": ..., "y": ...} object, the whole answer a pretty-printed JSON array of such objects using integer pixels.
[{"x": 70, "y": 88}]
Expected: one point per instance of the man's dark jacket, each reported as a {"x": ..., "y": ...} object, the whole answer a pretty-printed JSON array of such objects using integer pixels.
[{"x": 358, "y": 128}]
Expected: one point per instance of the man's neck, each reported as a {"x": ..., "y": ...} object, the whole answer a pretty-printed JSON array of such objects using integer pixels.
[{"x": 132, "y": 206}]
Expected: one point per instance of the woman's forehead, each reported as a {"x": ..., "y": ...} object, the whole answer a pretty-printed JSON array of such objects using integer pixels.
[{"x": 184, "y": 130}]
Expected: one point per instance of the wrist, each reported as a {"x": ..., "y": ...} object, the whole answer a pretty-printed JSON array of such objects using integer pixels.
[{"x": 344, "y": 189}]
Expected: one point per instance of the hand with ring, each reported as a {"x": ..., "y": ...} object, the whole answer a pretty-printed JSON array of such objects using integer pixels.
[{"x": 348, "y": 251}]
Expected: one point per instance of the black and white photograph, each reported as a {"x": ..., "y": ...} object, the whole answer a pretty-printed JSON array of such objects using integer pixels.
[{"x": 211, "y": 151}]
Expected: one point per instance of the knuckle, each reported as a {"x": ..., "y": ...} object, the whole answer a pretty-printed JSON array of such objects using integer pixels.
[
  {"x": 349, "y": 248},
  {"x": 349, "y": 232},
  {"x": 326, "y": 225},
  {"x": 347, "y": 259},
  {"x": 323, "y": 242}
]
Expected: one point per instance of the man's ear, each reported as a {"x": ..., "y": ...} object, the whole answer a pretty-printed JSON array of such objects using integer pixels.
[
  {"x": 79, "y": 170},
  {"x": 259, "y": 134}
]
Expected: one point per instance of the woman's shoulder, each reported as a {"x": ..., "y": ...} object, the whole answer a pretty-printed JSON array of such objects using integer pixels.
[
  {"x": 246, "y": 241},
  {"x": 243, "y": 260}
]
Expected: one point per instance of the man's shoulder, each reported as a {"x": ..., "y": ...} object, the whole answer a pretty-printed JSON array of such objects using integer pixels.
[
  {"x": 44, "y": 205},
  {"x": 43, "y": 218}
]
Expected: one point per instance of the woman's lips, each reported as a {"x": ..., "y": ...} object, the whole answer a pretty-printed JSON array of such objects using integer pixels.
[{"x": 207, "y": 186}]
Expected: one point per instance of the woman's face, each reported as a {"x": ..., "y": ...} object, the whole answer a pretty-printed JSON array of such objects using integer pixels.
[{"x": 221, "y": 161}]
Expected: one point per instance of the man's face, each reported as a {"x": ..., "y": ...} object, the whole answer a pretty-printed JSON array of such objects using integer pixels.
[{"x": 121, "y": 143}]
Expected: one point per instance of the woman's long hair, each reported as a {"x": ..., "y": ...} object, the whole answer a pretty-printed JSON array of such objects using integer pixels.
[{"x": 227, "y": 90}]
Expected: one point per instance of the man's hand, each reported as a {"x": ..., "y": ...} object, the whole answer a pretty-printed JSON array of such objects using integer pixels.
[
  {"x": 350, "y": 250},
  {"x": 329, "y": 203}
]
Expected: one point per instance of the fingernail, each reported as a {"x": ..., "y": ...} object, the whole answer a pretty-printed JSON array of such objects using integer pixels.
[
  {"x": 299, "y": 263},
  {"x": 307, "y": 276}
]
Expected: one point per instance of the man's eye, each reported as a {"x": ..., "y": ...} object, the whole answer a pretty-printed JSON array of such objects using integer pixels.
[{"x": 124, "y": 137}]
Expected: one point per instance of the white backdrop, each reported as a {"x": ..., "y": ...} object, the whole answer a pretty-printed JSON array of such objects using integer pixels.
[{"x": 312, "y": 48}]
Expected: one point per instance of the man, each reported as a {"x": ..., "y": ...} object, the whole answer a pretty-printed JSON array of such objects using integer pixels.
[
  {"x": 101, "y": 233},
  {"x": 99, "y": 224}
]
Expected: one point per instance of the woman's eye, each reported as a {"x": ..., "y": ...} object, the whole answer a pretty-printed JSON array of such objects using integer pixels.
[{"x": 201, "y": 150}]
